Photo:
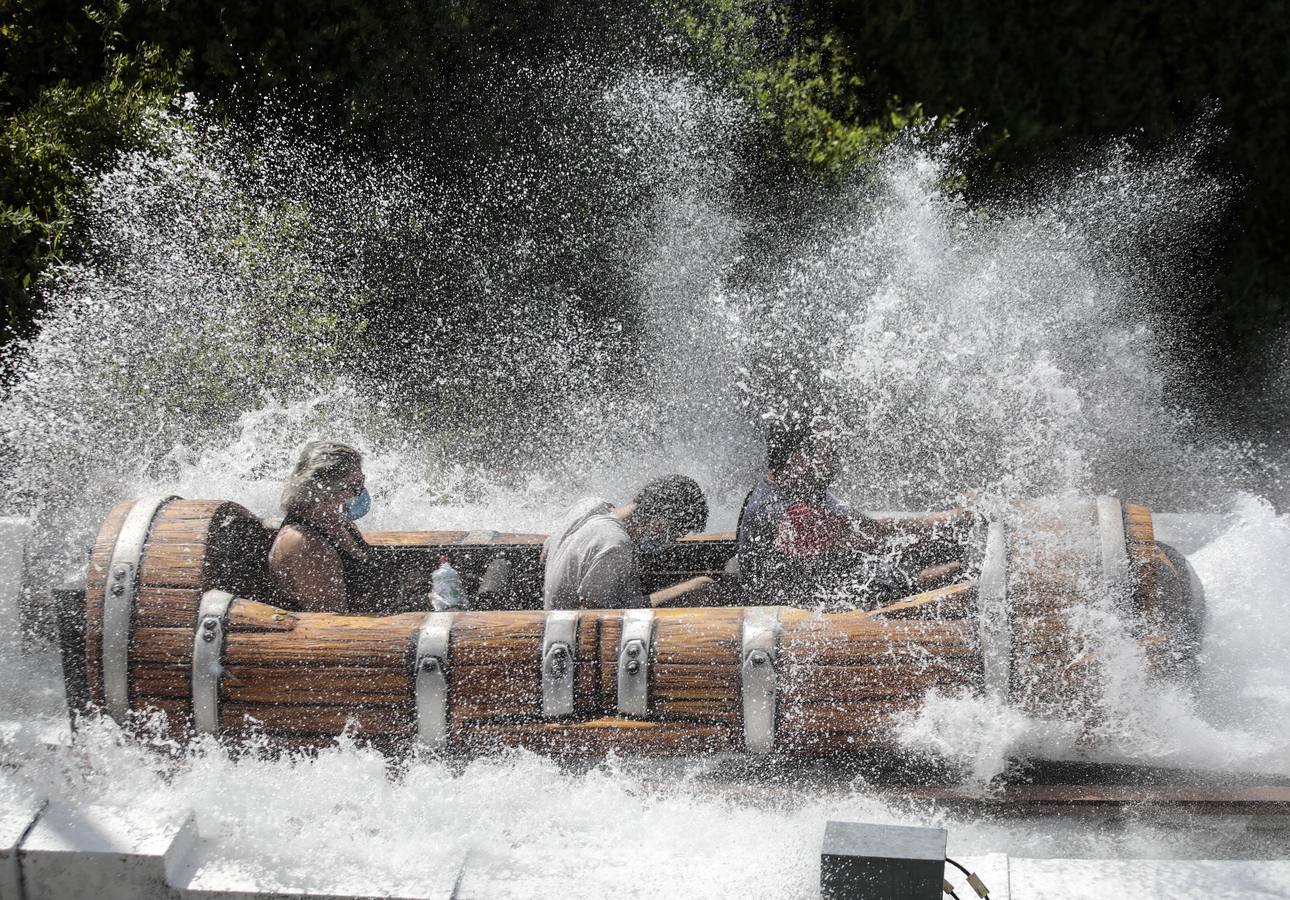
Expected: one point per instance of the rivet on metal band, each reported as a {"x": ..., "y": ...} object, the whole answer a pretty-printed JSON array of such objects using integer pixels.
[
  {"x": 559, "y": 658},
  {"x": 633, "y": 662},
  {"x": 430, "y": 673},
  {"x": 1115, "y": 555},
  {"x": 995, "y": 629},
  {"x": 118, "y": 602},
  {"x": 208, "y": 659},
  {"x": 760, "y": 648}
]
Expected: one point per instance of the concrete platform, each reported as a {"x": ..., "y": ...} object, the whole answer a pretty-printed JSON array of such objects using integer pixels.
[
  {"x": 64, "y": 852},
  {"x": 1059, "y": 879},
  {"x": 59, "y": 851},
  {"x": 104, "y": 853}
]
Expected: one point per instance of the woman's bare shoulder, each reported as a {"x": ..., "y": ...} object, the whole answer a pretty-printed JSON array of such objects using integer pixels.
[{"x": 294, "y": 539}]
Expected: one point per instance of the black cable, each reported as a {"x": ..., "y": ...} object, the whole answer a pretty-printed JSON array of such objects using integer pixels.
[
  {"x": 950, "y": 891},
  {"x": 974, "y": 882}
]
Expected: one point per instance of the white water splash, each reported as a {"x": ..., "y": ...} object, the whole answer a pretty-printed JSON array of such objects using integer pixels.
[{"x": 210, "y": 335}]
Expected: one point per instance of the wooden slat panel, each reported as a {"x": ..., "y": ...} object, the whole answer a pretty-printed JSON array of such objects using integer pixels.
[
  {"x": 706, "y": 693},
  {"x": 167, "y": 607},
  {"x": 487, "y": 638},
  {"x": 588, "y": 690},
  {"x": 277, "y": 718},
  {"x": 413, "y": 538},
  {"x": 520, "y": 539},
  {"x": 491, "y": 692},
  {"x": 162, "y": 646},
  {"x": 177, "y": 715},
  {"x": 1056, "y": 685},
  {"x": 1053, "y": 633},
  {"x": 319, "y": 685},
  {"x": 667, "y": 710},
  {"x": 328, "y": 639},
  {"x": 203, "y": 544},
  {"x": 841, "y": 716},
  {"x": 697, "y": 636},
  {"x": 719, "y": 683},
  {"x": 488, "y": 692},
  {"x": 181, "y": 565},
  {"x": 857, "y": 639},
  {"x": 150, "y": 681},
  {"x": 875, "y": 682},
  {"x": 251, "y": 615},
  {"x": 197, "y": 510},
  {"x": 602, "y": 736},
  {"x": 184, "y": 522},
  {"x": 161, "y": 657},
  {"x": 611, "y": 631},
  {"x": 1138, "y": 525},
  {"x": 161, "y": 666},
  {"x": 175, "y": 555},
  {"x": 836, "y": 743}
]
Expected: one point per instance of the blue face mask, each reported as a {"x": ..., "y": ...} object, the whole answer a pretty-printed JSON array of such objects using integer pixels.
[{"x": 357, "y": 507}]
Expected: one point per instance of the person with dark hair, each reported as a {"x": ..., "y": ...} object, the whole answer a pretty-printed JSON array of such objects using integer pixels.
[
  {"x": 592, "y": 555},
  {"x": 319, "y": 560},
  {"x": 798, "y": 542}
]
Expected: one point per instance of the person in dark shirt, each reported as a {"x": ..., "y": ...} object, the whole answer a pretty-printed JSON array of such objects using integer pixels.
[
  {"x": 319, "y": 561},
  {"x": 798, "y": 543}
]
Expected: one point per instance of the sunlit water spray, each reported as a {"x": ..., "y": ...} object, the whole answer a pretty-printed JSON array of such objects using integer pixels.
[{"x": 218, "y": 323}]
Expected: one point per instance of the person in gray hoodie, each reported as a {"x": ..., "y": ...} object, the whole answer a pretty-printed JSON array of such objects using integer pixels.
[{"x": 592, "y": 555}]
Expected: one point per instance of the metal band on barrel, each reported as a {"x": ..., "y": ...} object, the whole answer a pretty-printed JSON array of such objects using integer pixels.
[
  {"x": 633, "y": 662},
  {"x": 995, "y": 629},
  {"x": 431, "y": 678},
  {"x": 1115, "y": 554},
  {"x": 208, "y": 659},
  {"x": 559, "y": 659},
  {"x": 760, "y": 646},
  {"x": 119, "y": 593}
]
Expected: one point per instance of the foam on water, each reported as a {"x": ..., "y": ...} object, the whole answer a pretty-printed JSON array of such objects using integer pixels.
[{"x": 1015, "y": 351}]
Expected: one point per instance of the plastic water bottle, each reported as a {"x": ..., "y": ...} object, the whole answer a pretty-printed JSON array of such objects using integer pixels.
[{"x": 447, "y": 592}]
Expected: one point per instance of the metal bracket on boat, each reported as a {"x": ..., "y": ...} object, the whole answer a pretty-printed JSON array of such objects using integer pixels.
[
  {"x": 559, "y": 657},
  {"x": 1115, "y": 555},
  {"x": 118, "y": 602},
  {"x": 760, "y": 648},
  {"x": 430, "y": 670},
  {"x": 208, "y": 659},
  {"x": 633, "y": 662},
  {"x": 995, "y": 628}
]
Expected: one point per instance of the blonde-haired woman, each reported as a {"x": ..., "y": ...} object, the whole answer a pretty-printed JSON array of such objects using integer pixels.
[{"x": 319, "y": 560}]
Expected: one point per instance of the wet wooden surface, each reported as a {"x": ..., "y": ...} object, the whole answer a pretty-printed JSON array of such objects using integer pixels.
[{"x": 844, "y": 678}]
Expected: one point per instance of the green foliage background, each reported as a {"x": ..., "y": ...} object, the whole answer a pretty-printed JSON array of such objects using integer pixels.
[
  {"x": 831, "y": 82},
  {"x": 1044, "y": 80}
]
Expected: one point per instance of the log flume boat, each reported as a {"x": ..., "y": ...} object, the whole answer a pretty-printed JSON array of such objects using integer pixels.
[{"x": 179, "y": 617}]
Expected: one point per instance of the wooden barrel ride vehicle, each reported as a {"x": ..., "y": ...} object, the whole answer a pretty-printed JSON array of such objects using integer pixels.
[{"x": 180, "y": 618}]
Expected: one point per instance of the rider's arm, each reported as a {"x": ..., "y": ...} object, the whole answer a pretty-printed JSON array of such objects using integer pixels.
[
  {"x": 692, "y": 592},
  {"x": 307, "y": 571}
]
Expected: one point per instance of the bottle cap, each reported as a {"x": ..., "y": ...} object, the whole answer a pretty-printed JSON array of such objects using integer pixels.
[{"x": 443, "y": 559}]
